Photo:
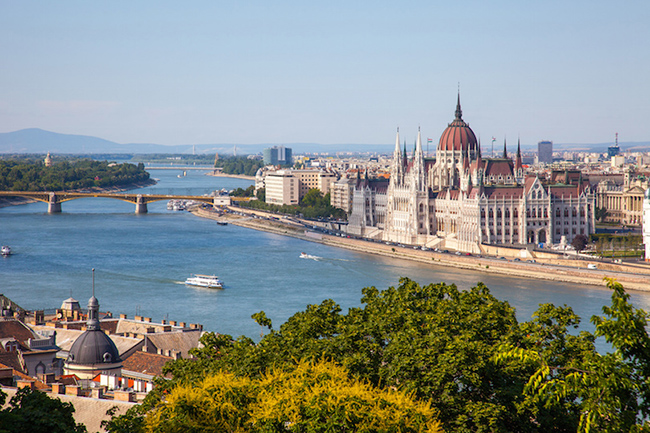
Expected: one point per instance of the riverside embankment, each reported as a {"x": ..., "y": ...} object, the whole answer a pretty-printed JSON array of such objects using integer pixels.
[{"x": 633, "y": 277}]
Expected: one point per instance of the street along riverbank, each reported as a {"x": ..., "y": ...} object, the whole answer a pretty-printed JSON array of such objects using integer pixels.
[{"x": 564, "y": 270}]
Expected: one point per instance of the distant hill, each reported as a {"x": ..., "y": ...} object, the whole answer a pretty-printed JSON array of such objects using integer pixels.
[{"x": 36, "y": 140}]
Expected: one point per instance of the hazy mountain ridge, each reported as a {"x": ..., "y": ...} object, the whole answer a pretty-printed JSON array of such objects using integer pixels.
[{"x": 34, "y": 140}]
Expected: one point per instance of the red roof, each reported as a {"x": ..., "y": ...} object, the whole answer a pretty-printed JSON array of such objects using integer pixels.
[
  {"x": 499, "y": 167},
  {"x": 458, "y": 136},
  {"x": 503, "y": 192}
]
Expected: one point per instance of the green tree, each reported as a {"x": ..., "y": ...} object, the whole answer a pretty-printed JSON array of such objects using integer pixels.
[
  {"x": 601, "y": 214},
  {"x": 604, "y": 393},
  {"x": 261, "y": 194},
  {"x": 313, "y": 197},
  {"x": 462, "y": 351},
  {"x": 33, "y": 411},
  {"x": 579, "y": 242},
  {"x": 434, "y": 341}
]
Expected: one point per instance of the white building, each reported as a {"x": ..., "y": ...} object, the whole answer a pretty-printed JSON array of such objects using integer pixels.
[
  {"x": 290, "y": 186},
  {"x": 282, "y": 187},
  {"x": 460, "y": 200},
  {"x": 646, "y": 224}
]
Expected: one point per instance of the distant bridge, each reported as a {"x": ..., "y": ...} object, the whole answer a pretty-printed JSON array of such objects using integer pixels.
[
  {"x": 54, "y": 199},
  {"x": 178, "y": 167}
]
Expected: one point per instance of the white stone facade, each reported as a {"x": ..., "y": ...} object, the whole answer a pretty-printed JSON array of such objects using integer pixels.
[{"x": 460, "y": 200}]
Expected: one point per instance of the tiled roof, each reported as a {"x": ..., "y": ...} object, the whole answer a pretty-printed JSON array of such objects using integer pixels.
[
  {"x": 181, "y": 341},
  {"x": 496, "y": 167},
  {"x": 10, "y": 359},
  {"x": 16, "y": 329},
  {"x": 146, "y": 363},
  {"x": 20, "y": 375},
  {"x": 503, "y": 192}
]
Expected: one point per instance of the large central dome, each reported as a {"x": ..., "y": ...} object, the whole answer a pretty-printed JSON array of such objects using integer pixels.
[{"x": 458, "y": 136}]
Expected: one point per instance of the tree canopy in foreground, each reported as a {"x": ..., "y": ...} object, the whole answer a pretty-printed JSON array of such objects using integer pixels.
[
  {"x": 35, "y": 412},
  {"x": 462, "y": 353}
]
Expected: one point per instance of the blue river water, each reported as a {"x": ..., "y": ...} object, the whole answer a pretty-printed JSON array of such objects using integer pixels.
[{"x": 141, "y": 262}]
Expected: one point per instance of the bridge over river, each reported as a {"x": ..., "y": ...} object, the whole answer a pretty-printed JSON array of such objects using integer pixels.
[{"x": 55, "y": 198}]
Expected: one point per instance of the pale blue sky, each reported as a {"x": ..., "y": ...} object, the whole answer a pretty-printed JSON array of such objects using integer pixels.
[{"x": 326, "y": 72}]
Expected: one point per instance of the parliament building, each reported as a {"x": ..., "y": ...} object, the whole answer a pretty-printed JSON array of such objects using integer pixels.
[{"x": 460, "y": 200}]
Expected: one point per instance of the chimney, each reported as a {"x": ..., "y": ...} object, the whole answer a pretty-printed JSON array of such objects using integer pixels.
[{"x": 58, "y": 388}]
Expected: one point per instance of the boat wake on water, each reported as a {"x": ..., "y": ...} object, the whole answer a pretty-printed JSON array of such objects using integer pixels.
[{"x": 319, "y": 259}]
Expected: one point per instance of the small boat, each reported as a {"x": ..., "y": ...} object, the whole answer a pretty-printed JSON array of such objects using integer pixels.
[
  {"x": 5, "y": 250},
  {"x": 222, "y": 223},
  {"x": 304, "y": 255},
  {"x": 209, "y": 281}
]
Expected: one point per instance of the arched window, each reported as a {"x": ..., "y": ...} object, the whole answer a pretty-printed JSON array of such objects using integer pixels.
[
  {"x": 534, "y": 213},
  {"x": 482, "y": 213},
  {"x": 527, "y": 213},
  {"x": 574, "y": 212},
  {"x": 545, "y": 213},
  {"x": 515, "y": 213},
  {"x": 491, "y": 213},
  {"x": 566, "y": 213},
  {"x": 498, "y": 213},
  {"x": 507, "y": 213},
  {"x": 557, "y": 213}
]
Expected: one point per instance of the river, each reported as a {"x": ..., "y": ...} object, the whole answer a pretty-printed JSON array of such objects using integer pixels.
[{"x": 141, "y": 262}]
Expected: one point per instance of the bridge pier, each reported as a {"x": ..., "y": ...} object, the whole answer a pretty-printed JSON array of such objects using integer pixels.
[
  {"x": 140, "y": 205},
  {"x": 53, "y": 205}
]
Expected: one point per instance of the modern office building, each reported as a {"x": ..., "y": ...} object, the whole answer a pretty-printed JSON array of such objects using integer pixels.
[
  {"x": 545, "y": 152},
  {"x": 290, "y": 186},
  {"x": 277, "y": 155}
]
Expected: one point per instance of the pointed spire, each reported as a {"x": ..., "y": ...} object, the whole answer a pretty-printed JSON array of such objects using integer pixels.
[
  {"x": 93, "y": 310},
  {"x": 459, "y": 112},
  {"x": 518, "y": 163},
  {"x": 505, "y": 149},
  {"x": 405, "y": 158},
  {"x": 397, "y": 152}
]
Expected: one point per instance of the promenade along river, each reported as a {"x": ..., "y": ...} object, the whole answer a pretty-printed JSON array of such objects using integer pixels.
[{"x": 141, "y": 262}]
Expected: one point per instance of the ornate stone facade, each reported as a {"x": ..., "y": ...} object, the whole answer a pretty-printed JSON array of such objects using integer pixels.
[{"x": 460, "y": 200}]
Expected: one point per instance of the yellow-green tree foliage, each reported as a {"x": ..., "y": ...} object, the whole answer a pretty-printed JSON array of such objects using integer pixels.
[{"x": 313, "y": 397}]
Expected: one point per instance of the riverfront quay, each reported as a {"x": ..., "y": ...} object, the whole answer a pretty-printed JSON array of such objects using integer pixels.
[{"x": 633, "y": 277}]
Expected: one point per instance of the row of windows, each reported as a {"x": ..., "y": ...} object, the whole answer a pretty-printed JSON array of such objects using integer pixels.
[
  {"x": 535, "y": 213},
  {"x": 515, "y": 213},
  {"x": 566, "y": 231}
]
